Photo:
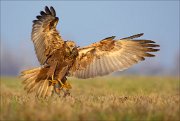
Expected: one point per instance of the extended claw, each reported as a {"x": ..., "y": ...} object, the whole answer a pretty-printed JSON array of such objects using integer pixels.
[
  {"x": 53, "y": 82},
  {"x": 65, "y": 85},
  {"x": 68, "y": 85},
  {"x": 61, "y": 83},
  {"x": 58, "y": 89}
]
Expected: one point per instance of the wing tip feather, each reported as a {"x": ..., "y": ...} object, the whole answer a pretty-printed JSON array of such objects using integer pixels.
[{"x": 53, "y": 12}]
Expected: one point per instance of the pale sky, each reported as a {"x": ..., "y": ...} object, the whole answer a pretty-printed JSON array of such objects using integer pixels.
[{"x": 91, "y": 21}]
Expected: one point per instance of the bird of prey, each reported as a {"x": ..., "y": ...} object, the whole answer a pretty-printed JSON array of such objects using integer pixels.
[{"x": 59, "y": 58}]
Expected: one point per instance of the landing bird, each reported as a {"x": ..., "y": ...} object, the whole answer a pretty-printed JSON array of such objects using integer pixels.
[{"x": 59, "y": 58}]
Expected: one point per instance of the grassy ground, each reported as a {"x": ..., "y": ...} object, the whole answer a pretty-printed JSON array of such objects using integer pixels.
[{"x": 109, "y": 98}]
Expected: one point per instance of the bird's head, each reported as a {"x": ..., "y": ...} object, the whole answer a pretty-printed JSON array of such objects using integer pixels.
[{"x": 71, "y": 45}]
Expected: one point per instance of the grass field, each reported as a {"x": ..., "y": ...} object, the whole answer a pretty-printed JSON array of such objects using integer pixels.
[{"x": 108, "y": 98}]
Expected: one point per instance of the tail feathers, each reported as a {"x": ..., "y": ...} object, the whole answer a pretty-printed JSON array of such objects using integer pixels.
[
  {"x": 44, "y": 90},
  {"x": 35, "y": 80},
  {"x": 30, "y": 71}
]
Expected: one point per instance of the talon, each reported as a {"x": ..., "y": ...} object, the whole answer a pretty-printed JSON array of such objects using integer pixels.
[
  {"x": 68, "y": 85},
  {"x": 62, "y": 85},
  {"x": 53, "y": 82}
]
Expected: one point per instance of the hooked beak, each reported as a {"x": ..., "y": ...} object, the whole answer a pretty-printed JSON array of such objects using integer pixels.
[{"x": 74, "y": 48}]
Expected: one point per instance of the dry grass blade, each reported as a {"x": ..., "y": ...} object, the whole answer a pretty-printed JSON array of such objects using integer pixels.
[{"x": 107, "y": 98}]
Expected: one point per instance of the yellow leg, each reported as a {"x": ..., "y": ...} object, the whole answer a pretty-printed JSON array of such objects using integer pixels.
[
  {"x": 52, "y": 77},
  {"x": 53, "y": 81},
  {"x": 65, "y": 85},
  {"x": 65, "y": 88},
  {"x": 62, "y": 85}
]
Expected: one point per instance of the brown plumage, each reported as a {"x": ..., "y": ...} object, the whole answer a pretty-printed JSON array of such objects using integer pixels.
[{"x": 59, "y": 58}]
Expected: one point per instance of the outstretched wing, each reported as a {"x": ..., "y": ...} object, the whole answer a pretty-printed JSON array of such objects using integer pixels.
[
  {"x": 44, "y": 35},
  {"x": 110, "y": 55}
]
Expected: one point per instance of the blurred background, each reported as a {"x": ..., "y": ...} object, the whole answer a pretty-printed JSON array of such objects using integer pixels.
[{"x": 91, "y": 21}]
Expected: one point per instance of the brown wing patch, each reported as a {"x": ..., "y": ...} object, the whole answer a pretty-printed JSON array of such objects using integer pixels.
[{"x": 109, "y": 55}]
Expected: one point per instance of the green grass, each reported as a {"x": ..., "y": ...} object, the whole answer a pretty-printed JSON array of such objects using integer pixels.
[{"x": 107, "y": 98}]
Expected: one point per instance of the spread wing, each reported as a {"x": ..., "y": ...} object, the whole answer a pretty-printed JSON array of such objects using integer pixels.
[
  {"x": 44, "y": 35},
  {"x": 110, "y": 55}
]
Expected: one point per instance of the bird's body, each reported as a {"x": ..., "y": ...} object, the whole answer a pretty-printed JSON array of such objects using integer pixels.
[{"x": 59, "y": 58}]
